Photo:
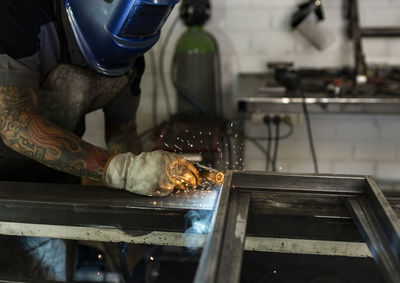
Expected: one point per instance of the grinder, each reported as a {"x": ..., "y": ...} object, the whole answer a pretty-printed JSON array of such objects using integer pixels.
[{"x": 209, "y": 175}]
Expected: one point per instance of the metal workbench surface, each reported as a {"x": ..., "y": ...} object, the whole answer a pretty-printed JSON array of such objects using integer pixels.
[{"x": 253, "y": 96}]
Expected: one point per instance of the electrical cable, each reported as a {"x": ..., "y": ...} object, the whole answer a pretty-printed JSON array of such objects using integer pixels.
[
  {"x": 277, "y": 121},
  {"x": 161, "y": 64},
  {"x": 310, "y": 136},
  {"x": 155, "y": 87},
  {"x": 269, "y": 144},
  {"x": 218, "y": 79},
  {"x": 257, "y": 144},
  {"x": 285, "y": 136},
  {"x": 267, "y": 121},
  {"x": 255, "y": 140},
  {"x": 194, "y": 102}
]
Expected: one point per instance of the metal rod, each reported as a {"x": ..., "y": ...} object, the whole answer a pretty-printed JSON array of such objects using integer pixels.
[
  {"x": 207, "y": 269},
  {"x": 230, "y": 262},
  {"x": 380, "y": 32},
  {"x": 315, "y": 183},
  {"x": 74, "y": 205},
  {"x": 373, "y": 232},
  {"x": 386, "y": 215},
  {"x": 360, "y": 64}
]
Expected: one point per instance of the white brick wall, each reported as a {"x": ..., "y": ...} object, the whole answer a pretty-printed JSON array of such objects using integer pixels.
[{"x": 253, "y": 32}]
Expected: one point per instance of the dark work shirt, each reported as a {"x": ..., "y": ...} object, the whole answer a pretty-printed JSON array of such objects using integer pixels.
[{"x": 34, "y": 37}]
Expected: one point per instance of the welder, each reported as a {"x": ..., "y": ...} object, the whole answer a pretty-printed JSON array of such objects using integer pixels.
[{"x": 61, "y": 59}]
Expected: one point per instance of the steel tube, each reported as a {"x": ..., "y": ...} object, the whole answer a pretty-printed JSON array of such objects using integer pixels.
[
  {"x": 207, "y": 269},
  {"x": 380, "y": 32},
  {"x": 321, "y": 184},
  {"x": 230, "y": 263},
  {"x": 373, "y": 232},
  {"x": 386, "y": 215},
  {"x": 74, "y": 205}
]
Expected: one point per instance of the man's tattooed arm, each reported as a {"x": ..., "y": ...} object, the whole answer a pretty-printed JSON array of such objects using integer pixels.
[{"x": 25, "y": 131}]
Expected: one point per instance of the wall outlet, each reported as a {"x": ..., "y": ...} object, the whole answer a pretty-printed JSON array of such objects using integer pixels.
[{"x": 294, "y": 118}]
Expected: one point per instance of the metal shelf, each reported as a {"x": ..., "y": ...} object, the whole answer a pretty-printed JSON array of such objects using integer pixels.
[{"x": 251, "y": 97}]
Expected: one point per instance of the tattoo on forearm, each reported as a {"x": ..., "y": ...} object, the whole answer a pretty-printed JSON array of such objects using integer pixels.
[{"x": 26, "y": 132}]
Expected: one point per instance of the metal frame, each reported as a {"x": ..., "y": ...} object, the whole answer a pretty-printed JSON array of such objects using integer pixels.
[
  {"x": 250, "y": 206},
  {"x": 222, "y": 255}
]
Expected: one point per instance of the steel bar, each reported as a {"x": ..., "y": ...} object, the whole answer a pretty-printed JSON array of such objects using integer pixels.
[
  {"x": 309, "y": 247},
  {"x": 380, "y": 32},
  {"x": 360, "y": 63},
  {"x": 212, "y": 249},
  {"x": 222, "y": 255},
  {"x": 301, "y": 183},
  {"x": 178, "y": 239},
  {"x": 230, "y": 262},
  {"x": 386, "y": 215},
  {"x": 74, "y": 205},
  {"x": 373, "y": 231}
]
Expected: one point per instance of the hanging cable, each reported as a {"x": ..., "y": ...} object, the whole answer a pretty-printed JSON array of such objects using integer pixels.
[
  {"x": 310, "y": 136},
  {"x": 282, "y": 137},
  {"x": 161, "y": 65},
  {"x": 255, "y": 140},
  {"x": 218, "y": 79},
  {"x": 277, "y": 121},
  {"x": 155, "y": 87},
  {"x": 267, "y": 121}
]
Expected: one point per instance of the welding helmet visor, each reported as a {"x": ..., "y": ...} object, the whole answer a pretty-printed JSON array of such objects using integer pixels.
[{"x": 112, "y": 33}]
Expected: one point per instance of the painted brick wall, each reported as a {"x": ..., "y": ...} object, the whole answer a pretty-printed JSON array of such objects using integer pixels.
[
  {"x": 253, "y": 32},
  {"x": 349, "y": 144}
]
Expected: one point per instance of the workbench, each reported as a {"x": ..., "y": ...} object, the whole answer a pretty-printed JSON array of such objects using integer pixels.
[{"x": 252, "y": 96}]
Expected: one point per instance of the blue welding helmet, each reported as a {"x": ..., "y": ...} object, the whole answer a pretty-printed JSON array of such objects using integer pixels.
[{"x": 113, "y": 33}]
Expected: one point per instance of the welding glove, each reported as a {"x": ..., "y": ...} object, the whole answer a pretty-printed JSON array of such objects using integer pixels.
[{"x": 154, "y": 173}]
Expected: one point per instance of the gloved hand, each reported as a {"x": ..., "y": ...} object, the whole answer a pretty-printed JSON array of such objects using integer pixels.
[{"x": 154, "y": 173}]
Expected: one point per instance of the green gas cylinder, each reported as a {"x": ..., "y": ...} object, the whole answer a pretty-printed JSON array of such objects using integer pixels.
[{"x": 195, "y": 71}]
